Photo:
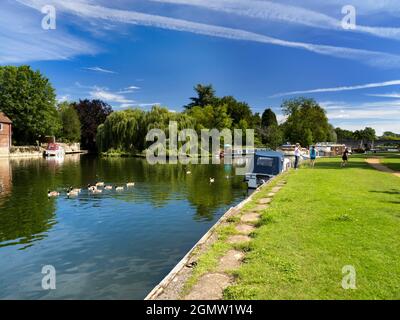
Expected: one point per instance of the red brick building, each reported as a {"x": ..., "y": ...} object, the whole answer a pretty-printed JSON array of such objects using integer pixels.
[{"x": 5, "y": 134}]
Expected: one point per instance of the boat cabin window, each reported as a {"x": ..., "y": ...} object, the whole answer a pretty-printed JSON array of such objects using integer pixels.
[{"x": 265, "y": 162}]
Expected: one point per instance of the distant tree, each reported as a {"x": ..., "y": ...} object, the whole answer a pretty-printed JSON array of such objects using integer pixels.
[
  {"x": 306, "y": 122},
  {"x": 122, "y": 130},
  {"x": 205, "y": 96},
  {"x": 237, "y": 111},
  {"x": 256, "y": 121},
  {"x": 70, "y": 124},
  {"x": 365, "y": 136},
  {"x": 268, "y": 118},
  {"x": 344, "y": 134},
  {"x": 271, "y": 136},
  {"x": 126, "y": 130},
  {"x": 28, "y": 98},
  {"x": 92, "y": 113},
  {"x": 332, "y": 136},
  {"x": 369, "y": 134},
  {"x": 388, "y": 135},
  {"x": 210, "y": 117}
]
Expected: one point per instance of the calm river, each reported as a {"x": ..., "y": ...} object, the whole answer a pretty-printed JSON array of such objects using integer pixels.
[{"x": 107, "y": 246}]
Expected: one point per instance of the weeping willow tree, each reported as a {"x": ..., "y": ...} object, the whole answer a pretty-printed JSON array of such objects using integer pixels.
[
  {"x": 122, "y": 130},
  {"x": 126, "y": 130}
]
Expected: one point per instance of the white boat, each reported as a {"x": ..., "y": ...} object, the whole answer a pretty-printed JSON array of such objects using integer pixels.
[{"x": 54, "y": 150}]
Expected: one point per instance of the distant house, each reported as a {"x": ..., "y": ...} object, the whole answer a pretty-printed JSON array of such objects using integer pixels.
[
  {"x": 329, "y": 149},
  {"x": 5, "y": 134}
]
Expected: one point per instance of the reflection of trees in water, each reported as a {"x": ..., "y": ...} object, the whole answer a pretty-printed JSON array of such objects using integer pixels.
[
  {"x": 27, "y": 213},
  {"x": 5, "y": 179},
  {"x": 164, "y": 180}
]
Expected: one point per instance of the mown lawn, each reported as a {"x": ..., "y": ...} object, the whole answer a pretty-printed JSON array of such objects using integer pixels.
[
  {"x": 322, "y": 220},
  {"x": 392, "y": 161}
]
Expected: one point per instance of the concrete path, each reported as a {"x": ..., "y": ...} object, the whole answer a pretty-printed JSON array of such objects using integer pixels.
[{"x": 376, "y": 163}]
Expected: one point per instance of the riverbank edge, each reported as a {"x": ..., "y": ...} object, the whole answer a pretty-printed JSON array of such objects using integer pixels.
[{"x": 199, "y": 248}]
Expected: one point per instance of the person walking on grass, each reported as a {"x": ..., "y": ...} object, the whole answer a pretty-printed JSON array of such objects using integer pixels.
[
  {"x": 297, "y": 155},
  {"x": 345, "y": 157},
  {"x": 313, "y": 156}
]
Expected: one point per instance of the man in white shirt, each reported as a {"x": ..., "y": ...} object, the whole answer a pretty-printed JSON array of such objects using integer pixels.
[{"x": 297, "y": 155}]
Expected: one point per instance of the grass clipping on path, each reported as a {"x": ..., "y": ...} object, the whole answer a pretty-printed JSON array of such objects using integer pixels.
[{"x": 322, "y": 220}]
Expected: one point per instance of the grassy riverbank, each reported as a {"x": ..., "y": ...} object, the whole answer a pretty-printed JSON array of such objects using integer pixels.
[
  {"x": 392, "y": 161},
  {"x": 322, "y": 220}
]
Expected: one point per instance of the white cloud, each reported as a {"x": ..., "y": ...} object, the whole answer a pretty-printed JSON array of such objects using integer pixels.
[
  {"x": 63, "y": 98},
  {"x": 343, "y": 88},
  {"x": 99, "y": 69},
  {"x": 108, "y": 96},
  {"x": 130, "y": 89},
  {"x": 22, "y": 38},
  {"x": 90, "y": 11},
  {"x": 381, "y": 115},
  {"x": 385, "y": 95},
  {"x": 268, "y": 10}
]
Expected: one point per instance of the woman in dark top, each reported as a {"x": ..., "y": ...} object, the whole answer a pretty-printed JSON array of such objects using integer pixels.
[{"x": 345, "y": 157}]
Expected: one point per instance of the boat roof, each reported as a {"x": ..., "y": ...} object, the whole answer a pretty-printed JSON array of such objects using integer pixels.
[{"x": 269, "y": 154}]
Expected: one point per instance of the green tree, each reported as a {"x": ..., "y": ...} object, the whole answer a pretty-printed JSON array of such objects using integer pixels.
[
  {"x": 365, "y": 136},
  {"x": 28, "y": 98},
  {"x": 122, "y": 130},
  {"x": 268, "y": 118},
  {"x": 306, "y": 121},
  {"x": 210, "y": 117},
  {"x": 332, "y": 135},
  {"x": 344, "y": 134},
  {"x": 92, "y": 113},
  {"x": 237, "y": 111},
  {"x": 70, "y": 124},
  {"x": 271, "y": 136},
  {"x": 205, "y": 96},
  {"x": 126, "y": 130}
]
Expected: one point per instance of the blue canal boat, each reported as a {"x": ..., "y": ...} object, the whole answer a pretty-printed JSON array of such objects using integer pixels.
[{"x": 267, "y": 164}]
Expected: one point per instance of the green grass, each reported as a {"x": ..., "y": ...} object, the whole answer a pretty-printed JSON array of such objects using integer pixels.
[
  {"x": 322, "y": 220},
  {"x": 392, "y": 161}
]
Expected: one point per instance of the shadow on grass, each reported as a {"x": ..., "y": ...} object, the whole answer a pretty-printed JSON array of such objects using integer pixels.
[
  {"x": 393, "y": 202},
  {"x": 393, "y": 191}
]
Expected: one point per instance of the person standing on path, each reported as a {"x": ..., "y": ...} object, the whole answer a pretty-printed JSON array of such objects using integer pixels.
[
  {"x": 297, "y": 155},
  {"x": 313, "y": 156}
]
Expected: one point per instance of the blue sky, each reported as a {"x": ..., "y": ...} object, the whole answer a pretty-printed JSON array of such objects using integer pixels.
[{"x": 145, "y": 52}]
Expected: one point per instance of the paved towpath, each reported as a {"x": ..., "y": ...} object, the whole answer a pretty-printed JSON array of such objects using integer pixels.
[{"x": 376, "y": 163}]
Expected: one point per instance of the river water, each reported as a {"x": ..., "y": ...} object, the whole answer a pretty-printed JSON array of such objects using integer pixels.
[{"x": 107, "y": 246}]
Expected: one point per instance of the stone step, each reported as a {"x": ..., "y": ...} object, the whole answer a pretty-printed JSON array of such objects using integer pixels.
[
  {"x": 230, "y": 261},
  {"x": 245, "y": 228},
  {"x": 209, "y": 287}
]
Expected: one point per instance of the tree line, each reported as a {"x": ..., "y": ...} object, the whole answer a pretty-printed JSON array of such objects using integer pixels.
[{"x": 28, "y": 98}]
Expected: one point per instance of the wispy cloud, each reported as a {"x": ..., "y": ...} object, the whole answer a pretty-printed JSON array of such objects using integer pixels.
[
  {"x": 87, "y": 10},
  {"x": 22, "y": 38},
  {"x": 108, "y": 96},
  {"x": 267, "y": 10},
  {"x": 343, "y": 88},
  {"x": 379, "y": 114},
  {"x": 99, "y": 69},
  {"x": 63, "y": 98},
  {"x": 130, "y": 89},
  {"x": 385, "y": 95}
]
